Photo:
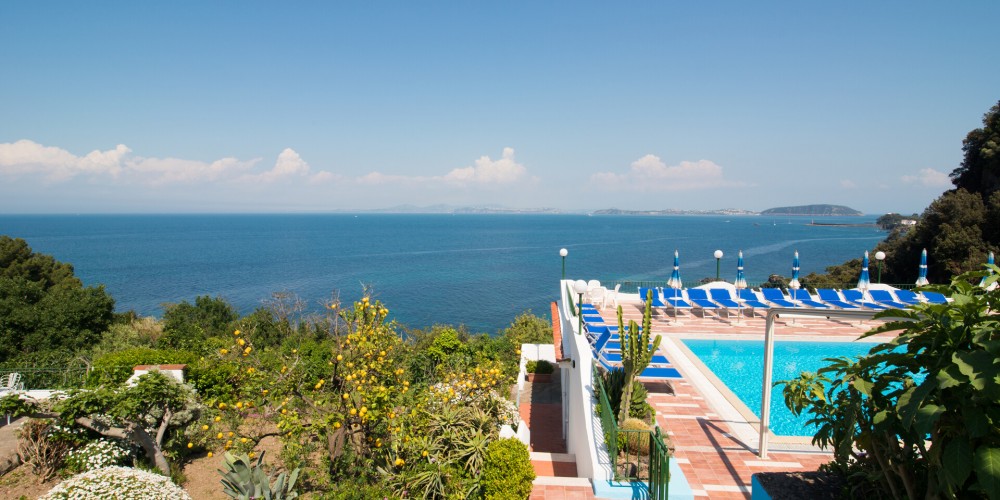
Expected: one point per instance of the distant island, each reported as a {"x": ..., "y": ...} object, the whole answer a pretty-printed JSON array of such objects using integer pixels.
[
  {"x": 808, "y": 210},
  {"x": 813, "y": 210},
  {"x": 675, "y": 211}
]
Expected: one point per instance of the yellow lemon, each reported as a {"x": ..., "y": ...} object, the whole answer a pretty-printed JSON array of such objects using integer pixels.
[
  {"x": 210, "y": 455},
  {"x": 218, "y": 419},
  {"x": 219, "y": 435},
  {"x": 190, "y": 445},
  {"x": 204, "y": 427}
]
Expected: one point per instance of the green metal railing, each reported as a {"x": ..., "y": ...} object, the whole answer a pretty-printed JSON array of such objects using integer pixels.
[{"x": 657, "y": 458}]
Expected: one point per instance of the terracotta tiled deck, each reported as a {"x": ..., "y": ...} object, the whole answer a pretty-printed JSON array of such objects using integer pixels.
[{"x": 714, "y": 451}]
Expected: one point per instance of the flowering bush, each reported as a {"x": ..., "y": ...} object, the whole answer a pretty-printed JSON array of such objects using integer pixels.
[
  {"x": 117, "y": 482},
  {"x": 98, "y": 454}
]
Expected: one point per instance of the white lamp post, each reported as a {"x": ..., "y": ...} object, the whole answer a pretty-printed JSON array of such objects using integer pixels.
[
  {"x": 880, "y": 256},
  {"x": 580, "y": 287},
  {"x": 563, "y": 253},
  {"x": 718, "y": 260}
]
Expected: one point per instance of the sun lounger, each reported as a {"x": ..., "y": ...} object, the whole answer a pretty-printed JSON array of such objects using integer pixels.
[
  {"x": 675, "y": 299},
  {"x": 725, "y": 299},
  {"x": 833, "y": 297},
  {"x": 775, "y": 297},
  {"x": 886, "y": 299},
  {"x": 643, "y": 294},
  {"x": 856, "y": 297},
  {"x": 11, "y": 382},
  {"x": 908, "y": 297},
  {"x": 699, "y": 297},
  {"x": 751, "y": 300},
  {"x": 935, "y": 297},
  {"x": 651, "y": 372},
  {"x": 803, "y": 297}
]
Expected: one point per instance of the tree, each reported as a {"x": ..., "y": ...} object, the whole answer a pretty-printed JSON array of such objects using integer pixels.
[
  {"x": 960, "y": 227},
  {"x": 637, "y": 352},
  {"x": 918, "y": 415},
  {"x": 980, "y": 169},
  {"x": 187, "y": 325},
  {"x": 43, "y": 306},
  {"x": 148, "y": 413}
]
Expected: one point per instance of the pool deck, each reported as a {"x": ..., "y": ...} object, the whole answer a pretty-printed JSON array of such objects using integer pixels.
[{"x": 715, "y": 440}]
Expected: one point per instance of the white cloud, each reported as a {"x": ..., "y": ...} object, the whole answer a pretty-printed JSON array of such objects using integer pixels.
[
  {"x": 25, "y": 157},
  {"x": 57, "y": 164},
  {"x": 650, "y": 173},
  {"x": 848, "y": 184},
  {"x": 929, "y": 177},
  {"x": 484, "y": 172}
]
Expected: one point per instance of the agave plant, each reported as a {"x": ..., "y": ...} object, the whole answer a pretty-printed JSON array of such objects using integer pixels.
[{"x": 245, "y": 480}]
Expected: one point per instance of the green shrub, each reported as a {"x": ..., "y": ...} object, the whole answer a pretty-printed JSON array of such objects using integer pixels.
[
  {"x": 123, "y": 483},
  {"x": 507, "y": 471},
  {"x": 541, "y": 367},
  {"x": 634, "y": 442},
  {"x": 116, "y": 367}
]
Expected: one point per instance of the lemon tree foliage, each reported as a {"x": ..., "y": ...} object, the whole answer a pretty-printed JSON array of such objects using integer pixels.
[
  {"x": 348, "y": 412},
  {"x": 919, "y": 416}
]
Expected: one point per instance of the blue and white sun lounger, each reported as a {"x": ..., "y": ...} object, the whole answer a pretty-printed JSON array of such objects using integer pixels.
[
  {"x": 935, "y": 297},
  {"x": 774, "y": 296},
  {"x": 832, "y": 297},
  {"x": 643, "y": 293},
  {"x": 725, "y": 299},
  {"x": 908, "y": 297},
  {"x": 675, "y": 299},
  {"x": 886, "y": 299},
  {"x": 751, "y": 300},
  {"x": 805, "y": 298},
  {"x": 651, "y": 372},
  {"x": 856, "y": 297},
  {"x": 699, "y": 297}
]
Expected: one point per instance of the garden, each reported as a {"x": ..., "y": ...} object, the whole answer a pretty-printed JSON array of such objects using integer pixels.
[{"x": 344, "y": 404}]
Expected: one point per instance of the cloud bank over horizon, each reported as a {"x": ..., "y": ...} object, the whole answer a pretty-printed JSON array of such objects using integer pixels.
[{"x": 31, "y": 171}]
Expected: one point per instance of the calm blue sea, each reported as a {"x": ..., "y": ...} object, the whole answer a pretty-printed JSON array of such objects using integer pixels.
[{"x": 477, "y": 270}]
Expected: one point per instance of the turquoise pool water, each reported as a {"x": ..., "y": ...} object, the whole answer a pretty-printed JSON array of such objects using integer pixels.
[{"x": 740, "y": 365}]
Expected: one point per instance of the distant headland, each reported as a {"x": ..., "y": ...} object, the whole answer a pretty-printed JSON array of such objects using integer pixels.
[
  {"x": 806, "y": 210},
  {"x": 813, "y": 210}
]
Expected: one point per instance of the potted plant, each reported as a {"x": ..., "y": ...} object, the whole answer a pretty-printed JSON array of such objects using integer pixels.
[{"x": 539, "y": 371}]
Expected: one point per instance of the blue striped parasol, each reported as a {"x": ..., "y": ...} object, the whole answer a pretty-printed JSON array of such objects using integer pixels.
[
  {"x": 795, "y": 272},
  {"x": 741, "y": 280},
  {"x": 922, "y": 278},
  {"x": 864, "y": 282},
  {"x": 675, "y": 277},
  {"x": 989, "y": 261}
]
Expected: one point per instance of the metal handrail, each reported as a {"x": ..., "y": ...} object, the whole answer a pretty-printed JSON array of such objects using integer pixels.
[{"x": 658, "y": 480}]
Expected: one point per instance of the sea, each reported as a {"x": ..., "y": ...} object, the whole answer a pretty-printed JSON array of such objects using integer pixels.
[{"x": 476, "y": 270}]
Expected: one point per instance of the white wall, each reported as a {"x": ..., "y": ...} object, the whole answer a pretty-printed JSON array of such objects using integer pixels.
[{"x": 581, "y": 438}]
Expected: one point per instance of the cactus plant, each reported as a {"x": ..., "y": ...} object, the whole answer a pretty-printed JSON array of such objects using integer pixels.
[
  {"x": 245, "y": 480},
  {"x": 637, "y": 351}
]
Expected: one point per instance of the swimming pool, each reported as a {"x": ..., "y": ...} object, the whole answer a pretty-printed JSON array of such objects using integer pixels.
[{"x": 739, "y": 364}]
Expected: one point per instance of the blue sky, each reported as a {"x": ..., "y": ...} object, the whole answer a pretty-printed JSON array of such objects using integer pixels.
[{"x": 315, "y": 106}]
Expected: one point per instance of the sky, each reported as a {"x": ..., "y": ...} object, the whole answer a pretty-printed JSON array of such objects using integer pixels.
[{"x": 219, "y": 107}]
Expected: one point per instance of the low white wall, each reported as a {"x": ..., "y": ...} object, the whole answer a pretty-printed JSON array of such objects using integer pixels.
[{"x": 580, "y": 432}]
